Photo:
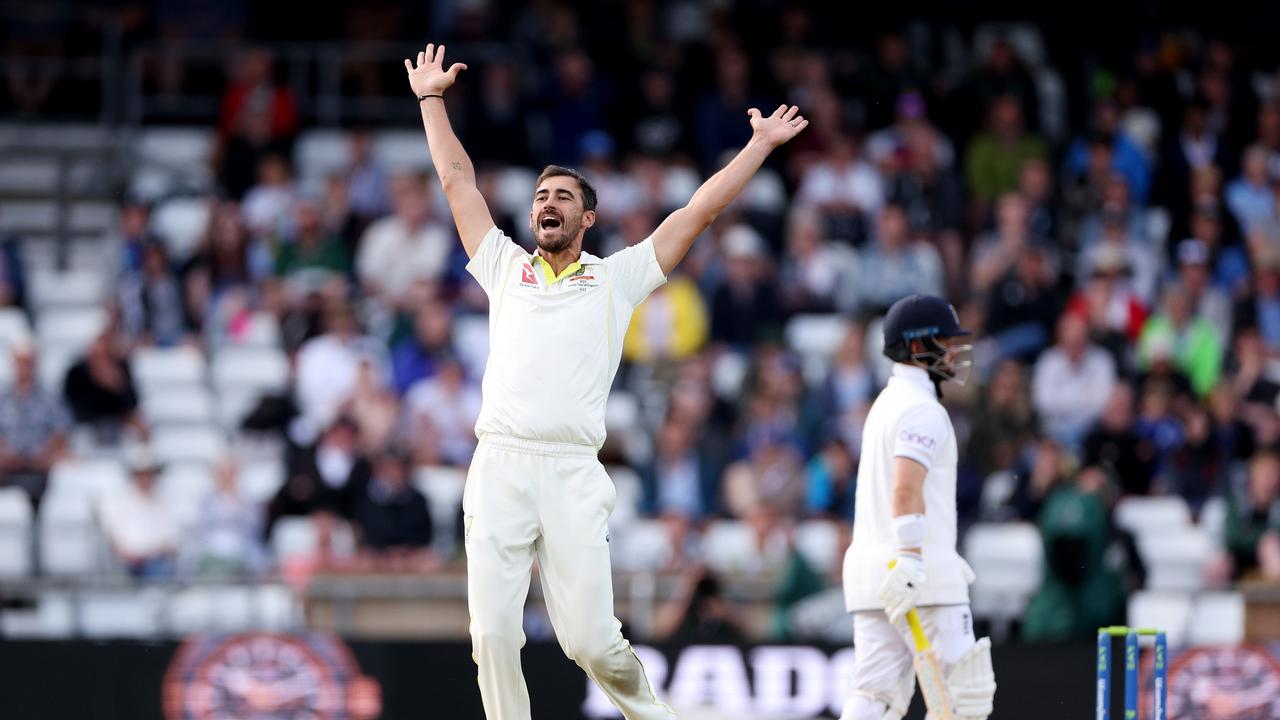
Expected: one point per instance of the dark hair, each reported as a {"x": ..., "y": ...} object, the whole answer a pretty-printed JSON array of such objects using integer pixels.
[{"x": 588, "y": 190}]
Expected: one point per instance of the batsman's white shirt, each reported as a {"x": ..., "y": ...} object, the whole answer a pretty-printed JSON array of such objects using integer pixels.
[
  {"x": 555, "y": 342},
  {"x": 906, "y": 420}
]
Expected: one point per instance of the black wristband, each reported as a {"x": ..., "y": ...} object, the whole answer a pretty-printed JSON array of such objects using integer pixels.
[{"x": 424, "y": 97}]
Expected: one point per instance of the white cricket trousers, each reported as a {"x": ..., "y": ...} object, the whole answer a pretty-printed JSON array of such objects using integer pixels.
[
  {"x": 883, "y": 654},
  {"x": 525, "y": 498}
]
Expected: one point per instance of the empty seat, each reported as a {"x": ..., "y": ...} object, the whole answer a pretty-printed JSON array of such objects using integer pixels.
[
  {"x": 471, "y": 338},
  {"x": 819, "y": 542},
  {"x": 14, "y": 329},
  {"x": 76, "y": 288},
  {"x": 15, "y": 533},
  {"x": 403, "y": 150},
  {"x": 1007, "y": 559},
  {"x": 644, "y": 545},
  {"x": 1213, "y": 518},
  {"x": 69, "y": 541},
  {"x": 175, "y": 147},
  {"x": 629, "y": 489},
  {"x": 1153, "y": 515},
  {"x": 222, "y": 608},
  {"x": 1176, "y": 561},
  {"x": 52, "y": 362},
  {"x": 183, "y": 487},
  {"x": 133, "y": 613},
  {"x": 260, "y": 480},
  {"x": 678, "y": 185},
  {"x": 765, "y": 192},
  {"x": 195, "y": 444},
  {"x": 294, "y": 538},
  {"x": 276, "y": 608},
  {"x": 1217, "y": 618},
  {"x": 157, "y": 368},
  {"x": 1168, "y": 611},
  {"x": 179, "y": 406},
  {"x": 443, "y": 488},
  {"x": 87, "y": 478},
  {"x": 728, "y": 546},
  {"x": 255, "y": 368},
  {"x": 181, "y": 223},
  {"x": 52, "y": 617},
  {"x": 816, "y": 338},
  {"x": 262, "y": 331},
  {"x": 322, "y": 152},
  {"x": 70, "y": 328}
]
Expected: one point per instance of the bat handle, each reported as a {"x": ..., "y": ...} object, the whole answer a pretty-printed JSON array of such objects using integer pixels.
[{"x": 917, "y": 631}]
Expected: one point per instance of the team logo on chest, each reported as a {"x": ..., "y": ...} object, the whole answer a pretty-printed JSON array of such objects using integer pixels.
[{"x": 582, "y": 278}]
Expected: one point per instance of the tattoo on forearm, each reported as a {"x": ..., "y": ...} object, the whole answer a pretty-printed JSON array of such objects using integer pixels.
[{"x": 457, "y": 166}]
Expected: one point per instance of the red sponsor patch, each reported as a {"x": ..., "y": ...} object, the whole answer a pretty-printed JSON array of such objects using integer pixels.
[{"x": 527, "y": 276}]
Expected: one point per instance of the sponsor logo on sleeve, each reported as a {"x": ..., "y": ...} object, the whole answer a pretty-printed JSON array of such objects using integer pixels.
[{"x": 920, "y": 440}]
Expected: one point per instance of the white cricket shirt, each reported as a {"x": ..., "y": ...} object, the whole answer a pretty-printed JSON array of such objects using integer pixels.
[
  {"x": 555, "y": 342},
  {"x": 906, "y": 420}
]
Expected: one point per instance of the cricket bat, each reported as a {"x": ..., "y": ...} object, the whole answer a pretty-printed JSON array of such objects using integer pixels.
[{"x": 933, "y": 684}]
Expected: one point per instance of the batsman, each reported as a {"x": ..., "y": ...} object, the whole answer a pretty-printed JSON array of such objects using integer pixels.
[
  {"x": 905, "y": 519},
  {"x": 557, "y": 317}
]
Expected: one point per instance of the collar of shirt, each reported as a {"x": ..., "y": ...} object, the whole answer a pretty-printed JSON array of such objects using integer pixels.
[
  {"x": 584, "y": 259},
  {"x": 913, "y": 375}
]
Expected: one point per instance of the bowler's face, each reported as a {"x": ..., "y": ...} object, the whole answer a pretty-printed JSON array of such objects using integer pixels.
[{"x": 557, "y": 215}]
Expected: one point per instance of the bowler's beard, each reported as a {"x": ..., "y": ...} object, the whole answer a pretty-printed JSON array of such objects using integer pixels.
[{"x": 557, "y": 240}]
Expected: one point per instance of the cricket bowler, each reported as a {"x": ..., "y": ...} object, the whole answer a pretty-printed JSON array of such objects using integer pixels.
[
  {"x": 556, "y": 322},
  {"x": 905, "y": 515}
]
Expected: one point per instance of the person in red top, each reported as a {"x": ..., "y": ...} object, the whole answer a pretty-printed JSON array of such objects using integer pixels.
[
  {"x": 1108, "y": 302},
  {"x": 257, "y": 118}
]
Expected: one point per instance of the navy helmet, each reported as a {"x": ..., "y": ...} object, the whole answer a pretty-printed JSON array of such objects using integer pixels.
[{"x": 927, "y": 318}]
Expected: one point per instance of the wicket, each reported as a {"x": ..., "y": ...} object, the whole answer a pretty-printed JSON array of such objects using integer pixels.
[{"x": 1102, "y": 701}]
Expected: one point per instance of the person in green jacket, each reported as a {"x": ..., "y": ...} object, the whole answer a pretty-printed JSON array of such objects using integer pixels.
[
  {"x": 995, "y": 156},
  {"x": 1192, "y": 342}
]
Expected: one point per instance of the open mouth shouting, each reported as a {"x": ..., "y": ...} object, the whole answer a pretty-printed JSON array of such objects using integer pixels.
[{"x": 550, "y": 221}]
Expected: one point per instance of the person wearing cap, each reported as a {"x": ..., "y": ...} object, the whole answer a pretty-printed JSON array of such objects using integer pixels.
[
  {"x": 1190, "y": 342},
  {"x": 897, "y": 264},
  {"x": 903, "y": 554},
  {"x": 138, "y": 525},
  {"x": 745, "y": 308},
  {"x": 392, "y": 518},
  {"x": 910, "y": 117},
  {"x": 1208, "y": 301},
  {"x": 33, "y": 427}
]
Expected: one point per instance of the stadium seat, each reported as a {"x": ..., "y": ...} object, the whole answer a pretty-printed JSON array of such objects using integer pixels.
[
  {"x": 629, "y": 489},
  {"x": 196, "y": 444},
  {"x": 818, "y": 541},
  {"x": 255, "y": 368},
  {"x": 181, "y": 223},
  {"x": 15, "y": 533},
  {"x": 162, "y": 368},
  {"x": 678, "y": 185},
  {"x": 134, "y": 613},
  {"x": 443, "y": 488},
  {"x": 765, "y": 192},
  {"x": 1162, "y": 515},
  {"x": 1213, "y": 518},
  {"x": 52, "y": 617},
  {"x": 1217, "y": 618},
  {"x": 23, "y": 214},
  {"x": 14, "y": 329},
  {"x": 728, "y": 373},
  {"x": 179, "y": 407},
  {"x": 406, "y": 151},
  {"x": 320, "y": 153},
  {"x": 1007, "y": 558},
  {"x": 1176, "y": 561},
  {"x": 176, "y": 148},
  {"x": 729, "y": 546},
  {"x": 6, "y": 370},
  {"x": 1168, "y": 611},
  {"x": 816, "y": 338},
  {"x": 52, "y": 362},
  {"x": 218, "y": 608},
  {"x": 276, "y": 609},
  {"x": 71, "y": 329},
  {"x": 183, "y": 487},
  {"x": 71, "y": 288},
  {"x": 642, "y": 546},
  {"x": 471, "y": 338},
  {"x": 88, "y": 479},
  {"x": 69, "y": 540},
  {"x": 259, "y": 480},
  {"x": 263, "y": 331},
  {"x": 515, "y": 190}
]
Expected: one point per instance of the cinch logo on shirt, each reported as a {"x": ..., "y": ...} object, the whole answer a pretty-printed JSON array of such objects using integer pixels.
[{"x": 915, "y": 438}]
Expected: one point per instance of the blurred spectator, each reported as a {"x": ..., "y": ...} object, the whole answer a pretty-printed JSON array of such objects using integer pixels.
[
  {"x": 269, "y": 205},
  {"x": 842, "y": 400},
  {"x": 1250, "y": 197},
  {"x": 226, "y": 541},
  {"x": 658, "y": 126},
  {"x": 814, "y": 270},
  {"x": 1019, "y": 492},
  {"x": 1023, "y": 306},
  {"x": 575, "y": 103},
  {"x": 1209, "y": 302},
  {"x": 404, "y": 247},
  {"x": 138, "y": 524},
  {"x": 1127, "y": 157},
  {"x": 1120, "y": 225},
  {"x": 311, "y": 254},
  {"x": 889, "y": 76},
  {"x": 441, "y": 411},
  {"x": 679, "y": 480},
  {"x": 770, "y": 479},
  {"x": 896, "y": 265},
  {"x": 1071, "y": 383},
  {"x": 1003, "y": 421},
  {"x": 670, "y": 325},
  {"x": 152, "y": 307},
  {"x": 498, "y": 124},
  {"x": 745, "y": 308},
  {"x": 12, "y": 277},
  {"x": 1115, "y": 446},
  {"x": 1035, "y": 183},
  {"x": 99, "y": 390},
  {"x": 392, "y": 518},
  {"x": 326, "y": 476},
  {"x": 1260, "y": 309},
  {"x": 995, "y": 156},
  {"x": 1114, "y": 312},
  {"x": 1253, "y": 521},
  {"x": 1004, "y": 75},
  {"x": 367, "y": 183},
  {"x": 997, "y": 252},
  {"x": 846, "y": 189},
  {"x": 227, "y": 262},
  {"x": 719, "y": 115},
  {"x": 1081, "y": 591},
  {"x": 1230, "y": 262},
  {"x": 932, "y": 194},
  {"x": 701, "y": 613},
  {"x": 33, "y": 427},
  {"x": 418, "y": 356},
  {"x": 328, "y": 366},
  {"x": 257, "y": 118},
  {"x": 1196, "y": 145},
  {"x": 1158, "y": 427},
  {"x": 830, "y": 481},
  {"x": 909, "y": 133},
  {"x": 133, "y": 236},
  {"x": 1191, "y": 341}
]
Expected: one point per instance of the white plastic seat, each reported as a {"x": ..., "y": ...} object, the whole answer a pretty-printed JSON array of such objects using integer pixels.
[
  {"x": 73, "y": 328},
  {"x": 175, "y": 147},
  {"x": 53, "y": 617},
  {"x": 471, "y": 338},
  {"x": 443, "y": 488},
  {"x": 322, "y": 152},
  {"x": 15, "y": 533},
  {"x": 14, "y": 329},
  {"x": 816, "y": 338},
  {"x": 220, "y": 608},
  {"x": 728, "y": 546},
  {"x": 403, "y": 150},
  {"x": 1213, "y": 518},
  {"x": 1217, "y": 618},
  {"x": 182, "y": 488},
  {"x": 263, "y": 331},
  {"x": 195, "y": 444},
  {"x": 260, "y": 480},
  {"x": 1167, "y": 611},
  {"x": 52, "y": 363},
  {"x": 1149, "y": 516},
  {"x": 1007, "y": 558},
  {"x": 166, "y": 367},
  {"x": 629, "y": 488},
  {"x": 276, "y": 608},
  {"x": 642, "y": 546},
  {"x": 69, "y": 541},
  {"x": 765, "y": 192},
  {"x": 76, "y": 288},
  {"x": 179, "y": 406},
  {"x": 294, "y": 537},
  {"x": 818, "y": 541},
  {"x": 181, "y": 223},
  {"x": 678, "y": 185},
  {"x": 121, "y": 613},
  {"x": 1176, "y": 561},
  {"x": 514, "y": 190},
  {"x": 246, "y": 367},
  {"x": 88, "y": 479}
]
